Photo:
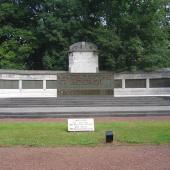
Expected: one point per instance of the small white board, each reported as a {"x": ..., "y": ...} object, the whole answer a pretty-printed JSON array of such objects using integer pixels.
[{"x": 80, "y": 125}]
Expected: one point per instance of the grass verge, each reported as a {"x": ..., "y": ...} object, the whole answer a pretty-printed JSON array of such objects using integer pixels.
[{"x": 55, "y": 134}]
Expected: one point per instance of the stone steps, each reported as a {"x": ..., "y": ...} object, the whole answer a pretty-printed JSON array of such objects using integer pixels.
[
  {"x": 82, "y": 115},
  {"x": 83, "y": 107},
  {"x": 85, "y": 101}
]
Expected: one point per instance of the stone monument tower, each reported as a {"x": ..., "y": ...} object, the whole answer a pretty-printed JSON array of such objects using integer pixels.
[{"x": 83, "y": 58}]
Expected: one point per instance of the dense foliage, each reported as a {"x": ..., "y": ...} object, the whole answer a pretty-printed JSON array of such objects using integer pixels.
[{"x": 130, "y": 34}]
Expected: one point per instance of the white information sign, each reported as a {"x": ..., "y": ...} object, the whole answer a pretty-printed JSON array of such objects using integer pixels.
[{"x": 77, "y": 125}]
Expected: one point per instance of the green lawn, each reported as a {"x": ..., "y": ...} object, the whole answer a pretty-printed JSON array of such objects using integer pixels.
[{"x": 55, "y": 134}]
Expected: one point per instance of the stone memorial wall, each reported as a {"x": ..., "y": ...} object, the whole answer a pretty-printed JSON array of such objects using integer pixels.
[
  {"x": 156, "y": 83},
  {"x": 57, "y": 83},
  {"x": 26, "y": 83}
]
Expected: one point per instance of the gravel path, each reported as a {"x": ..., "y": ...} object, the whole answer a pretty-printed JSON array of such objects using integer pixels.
[{"x": 109, "y": 157}]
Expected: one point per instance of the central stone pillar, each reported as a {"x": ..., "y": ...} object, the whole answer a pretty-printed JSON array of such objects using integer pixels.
[{"x": 83, "y": 58}]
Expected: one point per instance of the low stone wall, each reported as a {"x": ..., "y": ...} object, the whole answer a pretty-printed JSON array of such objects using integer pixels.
[
  {"x": 142, "y": 84},
  {"x": 23, "y": 83}
]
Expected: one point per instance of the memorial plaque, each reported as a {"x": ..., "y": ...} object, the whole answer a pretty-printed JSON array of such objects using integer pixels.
[
  {"x": 85, "y": 81},
  {"x": 85, "y": 84},
  {"x": 80, "y": 125}
]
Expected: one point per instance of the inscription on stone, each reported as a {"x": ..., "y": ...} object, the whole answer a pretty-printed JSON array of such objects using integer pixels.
[
  {"x": 85, "y": 81},
  {"x": 80, "y": 125}
]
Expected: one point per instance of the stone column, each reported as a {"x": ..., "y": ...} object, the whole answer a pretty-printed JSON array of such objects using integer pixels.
[
  {"x": 20, "y": 85},
  {"x": 123, "y": 83},
  {"x": 147, "y": 83},
  {"x": 44, "y": 84}
]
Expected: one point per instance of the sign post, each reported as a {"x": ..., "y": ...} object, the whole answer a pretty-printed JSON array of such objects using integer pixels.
[{"x": 80, "y": 125}]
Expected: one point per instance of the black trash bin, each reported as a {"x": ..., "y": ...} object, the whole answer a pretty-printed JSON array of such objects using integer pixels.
[{"x": 109, "y": 136}]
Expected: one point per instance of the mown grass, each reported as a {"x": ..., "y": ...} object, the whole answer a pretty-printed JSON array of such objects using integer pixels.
[{"x": 55, "y": 134}]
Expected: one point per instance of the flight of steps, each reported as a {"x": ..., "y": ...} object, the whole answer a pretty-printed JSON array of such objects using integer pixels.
[
  {"x": 81, "y": 101},
  {"x": 87, "y": 101}
]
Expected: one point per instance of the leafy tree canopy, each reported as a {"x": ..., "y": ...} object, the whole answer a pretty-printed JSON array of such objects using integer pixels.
[{"x": 130, "y": 34}]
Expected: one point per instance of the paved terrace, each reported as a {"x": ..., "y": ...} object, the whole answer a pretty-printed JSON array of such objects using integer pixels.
[{"x": 86, "y": 106}]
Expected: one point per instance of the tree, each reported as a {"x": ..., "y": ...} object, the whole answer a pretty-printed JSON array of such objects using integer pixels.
[
  {"x": 17, "y": 42},
  {"x": 130, "y": 34}
]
